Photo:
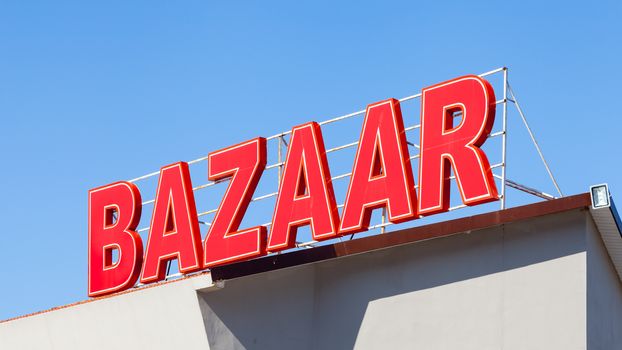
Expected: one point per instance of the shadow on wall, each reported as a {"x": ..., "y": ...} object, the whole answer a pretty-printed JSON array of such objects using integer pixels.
[{"x": 326, "y": 305}]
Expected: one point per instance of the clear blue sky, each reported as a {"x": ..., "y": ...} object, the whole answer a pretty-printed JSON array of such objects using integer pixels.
[{"x": 92, "y": 93}]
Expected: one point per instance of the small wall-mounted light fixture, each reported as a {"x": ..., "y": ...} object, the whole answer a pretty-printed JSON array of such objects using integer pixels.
[{"x": 600, "y": 196}]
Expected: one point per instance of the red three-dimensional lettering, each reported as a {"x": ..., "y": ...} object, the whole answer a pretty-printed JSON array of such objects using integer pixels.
[
  {"x": 174, "y": 231},
  {"x": 306, "y": 194},
  {"x": 381, "y": 178},
  {"x": 114, "y": 213},
  {"x": 381, "y": 175},
  {"x": 243, "y": 163},
  {"x": 444, "y": 145}
]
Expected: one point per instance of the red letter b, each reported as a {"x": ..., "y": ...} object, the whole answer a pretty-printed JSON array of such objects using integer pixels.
[{"x": 114, "y": 212}]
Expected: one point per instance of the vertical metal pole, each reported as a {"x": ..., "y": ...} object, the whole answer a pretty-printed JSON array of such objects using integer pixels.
[
  {"x": 280, "y": 168},
  {"x": 280, "y": 159},
  {"x": 505, "y": 136},
  {"x": 384, "y": 215}
]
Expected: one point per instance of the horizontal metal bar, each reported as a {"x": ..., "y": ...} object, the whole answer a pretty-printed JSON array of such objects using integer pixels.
[
  {"x": 496, "y": 165},
  {"x": 350, "y": 115},
  {"x": 306, "y": 244},
  {"x": 144, "y": 176},
  {"x": 211, "y": 211},
  {"x": 379, "y": 225},
  {"x": 459, "y": 206},
  {"x": 408, "y": 98},
  {"x": 252, "y": 200},
  {"x": 340, "y": 176},
  {"x": 529, "y": 190},
  {"x": 200, "y": 187},
  {"x": 493, "y": 72},
  {"x": 351, "y": 144},
  {"x": 278, "y": 135},
  {"x": 275, "y": 165},
  {"x": 197, "y": 160},
  {"x": 175, "y": 275},
  {"x": 264, "y": 196},
  {"x": 209, "y": 184},
  {"x": 453, "y": 177},
  {"x": 526, "y": 189}
]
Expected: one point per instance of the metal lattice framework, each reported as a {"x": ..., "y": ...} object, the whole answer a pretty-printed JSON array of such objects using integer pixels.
[{"x": 277, "y": 148}]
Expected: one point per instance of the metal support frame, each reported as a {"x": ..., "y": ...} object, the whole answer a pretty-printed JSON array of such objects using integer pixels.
[
  {"x": 280, "y": 159},
  {"x": 383, "y": 220},
  {"x": 282, "y": 146},
  {"x": 535, "y": 143},
  {"x": 504, "y": 137}
]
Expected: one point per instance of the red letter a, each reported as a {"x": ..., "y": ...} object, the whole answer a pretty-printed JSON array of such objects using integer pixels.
[
  {"x": 381, "y": 175},
  {"x": 306, "y": 193},
  {"x": 174, "y": 232}
]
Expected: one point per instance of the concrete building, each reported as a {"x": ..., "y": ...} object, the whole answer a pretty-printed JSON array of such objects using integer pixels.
[{"x": 541, "y": 276}]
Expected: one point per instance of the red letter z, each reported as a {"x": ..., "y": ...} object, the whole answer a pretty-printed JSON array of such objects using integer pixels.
[{"x": 243, "y": 163}]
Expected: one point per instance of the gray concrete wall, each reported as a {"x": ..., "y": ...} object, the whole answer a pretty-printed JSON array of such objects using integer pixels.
[
  {"x": 521, "y": 288},
  {"x": 162, "y": 317},
  {"x": 604, "y": 295}
]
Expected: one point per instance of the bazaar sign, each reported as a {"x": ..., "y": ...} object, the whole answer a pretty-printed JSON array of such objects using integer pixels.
[{"x": 382, "y": 177}]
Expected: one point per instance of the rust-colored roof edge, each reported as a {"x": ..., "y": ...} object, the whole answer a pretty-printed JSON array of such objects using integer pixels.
[
  {"x": 127, "y": 291},
  {"x": 400, "y": 237},
  {"x": 365, "y": 244}
]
